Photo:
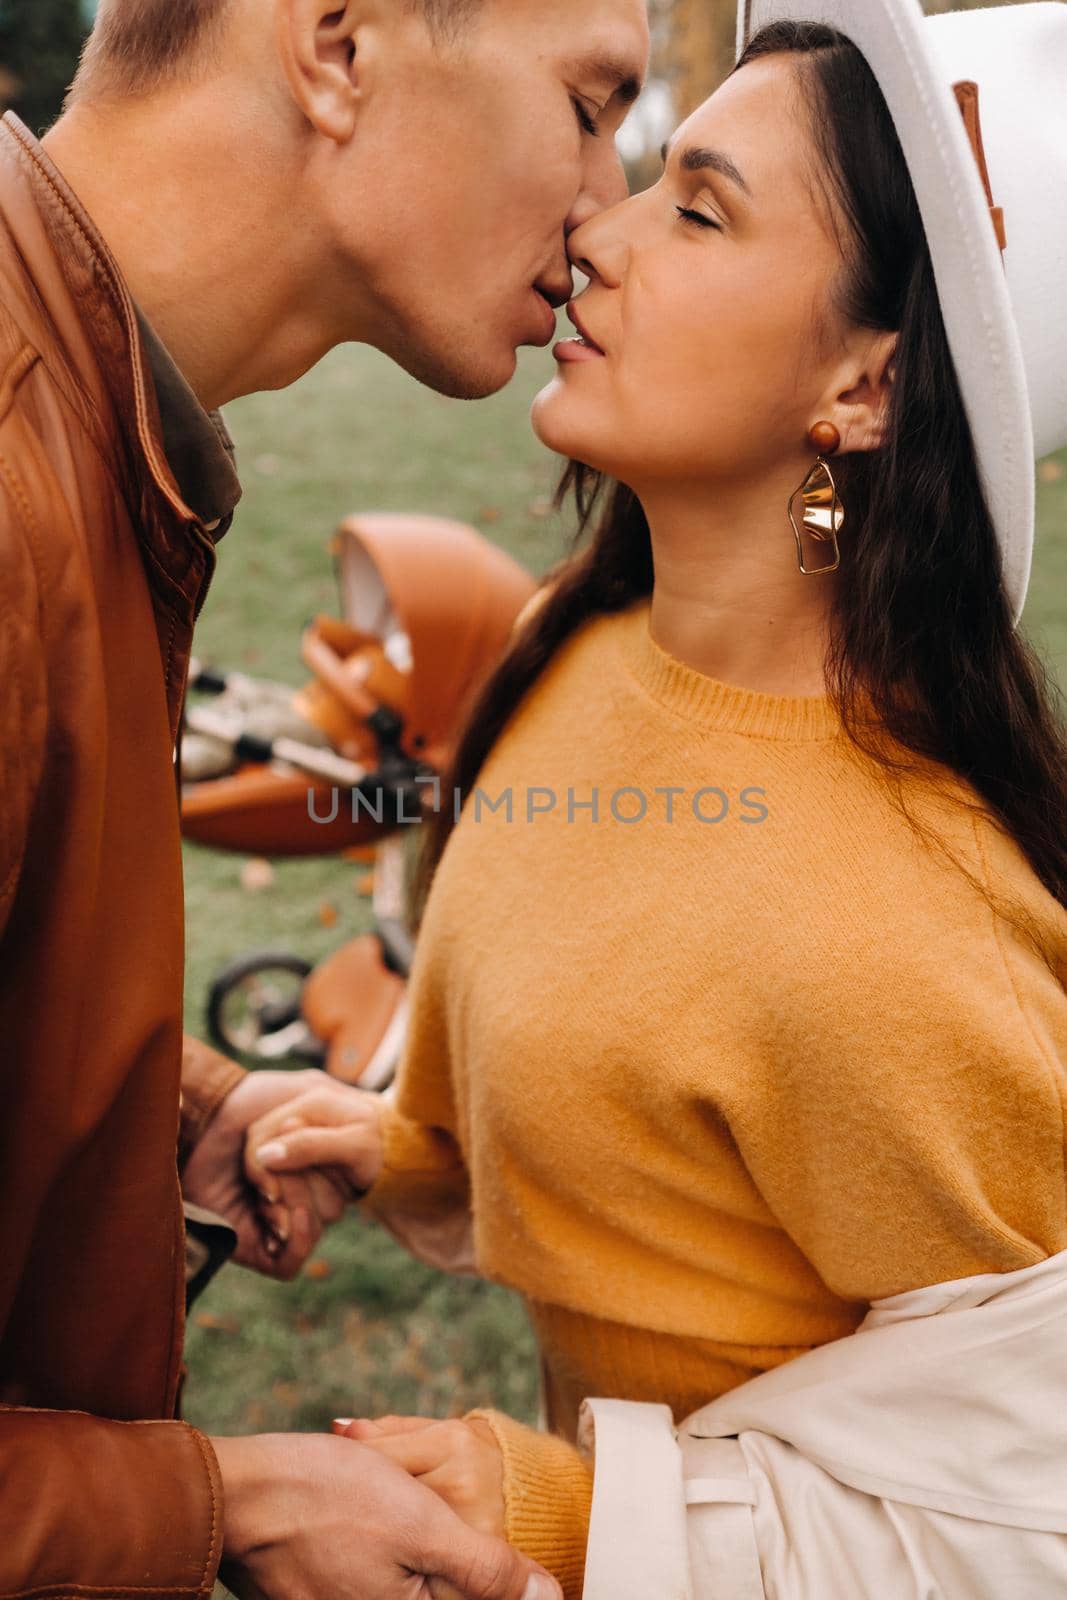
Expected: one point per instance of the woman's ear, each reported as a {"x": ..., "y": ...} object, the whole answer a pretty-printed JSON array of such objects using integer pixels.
[
  {"x": 317, "y": 47},
  {"x": 861, "y": 411}
]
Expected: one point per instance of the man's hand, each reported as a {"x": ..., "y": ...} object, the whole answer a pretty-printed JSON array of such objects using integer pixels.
[
  {"x": 277, "y": 1243},
  {"x": 311, "y": 1518},
  {"x": 459, "y": 1460}
]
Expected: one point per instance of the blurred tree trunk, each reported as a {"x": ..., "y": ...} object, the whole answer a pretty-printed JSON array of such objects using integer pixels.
[
  {"x": 696, "y": 43},
  {"x": 699, "y": 48},
  {"x": 40, "y": 41}
]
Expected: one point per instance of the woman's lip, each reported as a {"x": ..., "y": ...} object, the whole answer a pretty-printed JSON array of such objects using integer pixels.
[
  {"x": 577, "y": 350},
  {"x": 572, "y": 313}
]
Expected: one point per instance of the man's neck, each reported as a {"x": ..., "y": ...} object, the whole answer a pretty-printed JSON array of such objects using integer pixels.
[{"x": 221, "y": 283}]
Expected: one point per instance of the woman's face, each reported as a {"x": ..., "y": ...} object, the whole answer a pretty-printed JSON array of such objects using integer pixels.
[{"x": 709, "y": 300}]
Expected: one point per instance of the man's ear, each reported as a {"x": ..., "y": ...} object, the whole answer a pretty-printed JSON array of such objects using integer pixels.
[
  {"x": 317, "y": 47},
  {"x": 860, "y": 411}
]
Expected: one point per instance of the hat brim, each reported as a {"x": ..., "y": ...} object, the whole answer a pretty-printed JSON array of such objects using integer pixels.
[{"x": 968, "y": 266}]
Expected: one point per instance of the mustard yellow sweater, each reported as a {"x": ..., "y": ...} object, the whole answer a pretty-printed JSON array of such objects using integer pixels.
[{"x": 714, "y": 1069}]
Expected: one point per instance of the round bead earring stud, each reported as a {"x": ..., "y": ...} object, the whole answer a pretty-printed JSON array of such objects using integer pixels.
[{"x": 825, "y": 438}]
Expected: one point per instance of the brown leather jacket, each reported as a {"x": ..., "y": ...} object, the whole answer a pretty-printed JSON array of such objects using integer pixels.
[{"x": 103, "y": 569}]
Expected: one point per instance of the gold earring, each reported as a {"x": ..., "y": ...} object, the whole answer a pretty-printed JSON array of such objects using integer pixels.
[{"x": 822, "y": 512}]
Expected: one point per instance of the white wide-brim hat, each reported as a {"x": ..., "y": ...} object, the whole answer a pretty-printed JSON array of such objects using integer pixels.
[{"x": 1005, "y": 315}]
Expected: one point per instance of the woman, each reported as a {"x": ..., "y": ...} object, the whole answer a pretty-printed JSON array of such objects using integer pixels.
[{"x": 750, "y": 1013}]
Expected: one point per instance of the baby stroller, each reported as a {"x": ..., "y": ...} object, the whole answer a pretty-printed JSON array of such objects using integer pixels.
[{"x": 343, "y": 764}]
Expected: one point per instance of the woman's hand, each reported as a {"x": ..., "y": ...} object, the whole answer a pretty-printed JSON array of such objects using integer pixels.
[
  {"x": 459, "y": 1460},
  {"x": 333, "y": 1131}
]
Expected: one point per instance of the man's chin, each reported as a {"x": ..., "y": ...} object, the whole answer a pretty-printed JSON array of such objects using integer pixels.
[{"x": 474, "y": 376}]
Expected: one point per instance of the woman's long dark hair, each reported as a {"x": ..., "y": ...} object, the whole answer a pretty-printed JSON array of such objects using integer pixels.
[{"x": 920, "y": 621}]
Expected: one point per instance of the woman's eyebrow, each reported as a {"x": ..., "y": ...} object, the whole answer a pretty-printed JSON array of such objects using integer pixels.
[{"x": 696, "y": 159}]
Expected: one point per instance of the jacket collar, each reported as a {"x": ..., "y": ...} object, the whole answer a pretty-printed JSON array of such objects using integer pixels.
[
  {"x": 94, "y": 319},
  {"x": 198, "y": 447}
]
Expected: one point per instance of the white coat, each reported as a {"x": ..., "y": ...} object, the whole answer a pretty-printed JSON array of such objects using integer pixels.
[{"x": 923, "y": 1457}]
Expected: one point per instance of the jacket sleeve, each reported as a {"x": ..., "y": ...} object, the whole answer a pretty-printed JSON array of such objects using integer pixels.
[
  {"x": 207, "y": 1078},
  {"x": 638, "y": 1534},
  {"x": 23, "y": 713},
  {"x": 86, "y": 1505},
  {"x": 91, "y": 1506}
]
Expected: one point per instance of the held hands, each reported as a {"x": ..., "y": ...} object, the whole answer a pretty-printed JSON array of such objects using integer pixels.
[
  {"x": 280, "y": 1160},
  {"x": 459, "y": 1460},
  {"x": 215, "y": 1177},
  {"x": 328, "y": 1519},
  {"x": 404, "y": 1507},
  {"x": 329, "y": 1137},
  {"x": 401, "y": 1509}
]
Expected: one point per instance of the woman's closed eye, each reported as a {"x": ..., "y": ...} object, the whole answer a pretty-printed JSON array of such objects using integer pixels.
[{"x": 697, "y": 219}]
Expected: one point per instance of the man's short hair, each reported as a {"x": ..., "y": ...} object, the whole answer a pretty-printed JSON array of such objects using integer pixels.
[{"x": 136, "y": 45}]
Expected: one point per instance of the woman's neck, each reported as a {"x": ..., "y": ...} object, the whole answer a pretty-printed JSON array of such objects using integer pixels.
[{"x": 729, "y": 598}]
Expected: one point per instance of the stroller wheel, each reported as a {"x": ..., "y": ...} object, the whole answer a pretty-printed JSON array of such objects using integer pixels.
[{"x": 254, "y": 1009}]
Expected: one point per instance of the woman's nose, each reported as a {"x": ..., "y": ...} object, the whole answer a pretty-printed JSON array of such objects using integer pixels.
[{"x": 598, "y": 246}]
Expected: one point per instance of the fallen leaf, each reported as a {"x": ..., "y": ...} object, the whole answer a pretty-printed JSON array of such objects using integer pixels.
[
  {"x": 365, "y": 884},
  {"x": 328, "y": 914},
  {"x": 208, "y": 1319},
  {"x": 1050, "y": 471},
  {"x": 490, "y": 514},
  {"x": 318, "y": 1269}
]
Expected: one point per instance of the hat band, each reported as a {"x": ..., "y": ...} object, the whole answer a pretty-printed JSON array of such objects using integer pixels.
[{"x": 966, "y": 92}]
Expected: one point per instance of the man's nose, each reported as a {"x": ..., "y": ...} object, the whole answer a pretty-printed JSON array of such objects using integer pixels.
[{"x": 605, "y": 186}]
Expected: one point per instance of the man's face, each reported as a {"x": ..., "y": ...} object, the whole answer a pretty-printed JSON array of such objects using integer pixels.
[{"x": 471, "y": 164}]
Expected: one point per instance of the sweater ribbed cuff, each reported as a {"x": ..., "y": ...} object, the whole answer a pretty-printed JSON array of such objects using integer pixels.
[
  {"x": 548, "y": 1495},
  {"x": 422, "y": 1170}
]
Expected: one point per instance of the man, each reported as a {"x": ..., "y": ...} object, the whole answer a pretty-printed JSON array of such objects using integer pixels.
[{"x": 235, "y": 187}]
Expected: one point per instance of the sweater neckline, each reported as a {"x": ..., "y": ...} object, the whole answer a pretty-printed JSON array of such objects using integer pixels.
[{"x": 712, "y": 704}]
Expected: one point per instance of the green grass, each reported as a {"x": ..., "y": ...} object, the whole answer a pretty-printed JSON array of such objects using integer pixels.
[
  {"x": 379, "y": 1334},
  {"x": 375, "y": 1331}
]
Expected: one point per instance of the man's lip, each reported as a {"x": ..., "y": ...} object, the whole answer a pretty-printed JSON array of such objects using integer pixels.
[
  {"x": 576, "y": 321},
  {"x": 548, "y": 332}
]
